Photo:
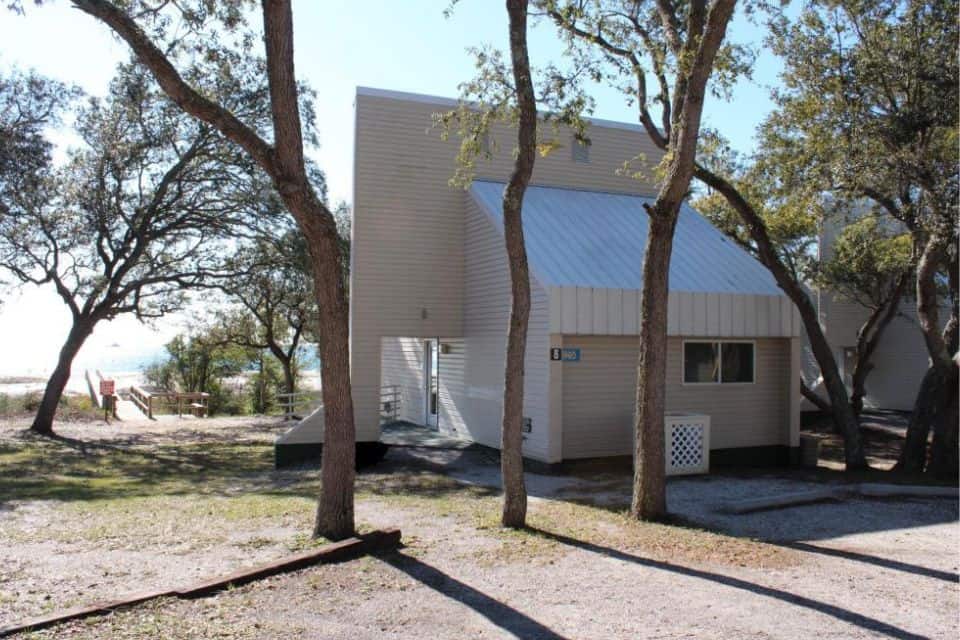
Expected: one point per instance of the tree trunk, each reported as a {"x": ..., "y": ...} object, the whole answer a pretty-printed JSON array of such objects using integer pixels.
[
  {"x": 284, "y": 162},
  {"x": 43, "y": 421},
  {"x": 945, "y": 449},
  {"x": 815, "y": 399},
  {"x": 913, "y": 455},
  {"x": 511, "y": 436},
  {"x": 335, "y": 519},
  {"x": 843, "y": 416},
  {"x": 933, "y": 398},
  {"x": 286, "y": 360},
  {"x": 289, "y": 380},
  {"x": 868, "y": 339},
  {"x": 649, "y": 473}
]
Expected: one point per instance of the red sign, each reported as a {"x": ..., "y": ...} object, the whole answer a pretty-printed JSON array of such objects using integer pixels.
[{"x": 107, "y": 387}]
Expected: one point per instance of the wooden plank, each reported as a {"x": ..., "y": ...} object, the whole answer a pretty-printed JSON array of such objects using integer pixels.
[
  {"x": 334, "y": 552},
  {"x": 875, "y": 490},
  {"x": 373, "y": 542},
  {"x": 85, "y": 611},
  {"x": 784, "y": 500}
]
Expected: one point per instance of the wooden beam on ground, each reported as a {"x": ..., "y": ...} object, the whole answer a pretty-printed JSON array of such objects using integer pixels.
[
  {"x": 784, "y": 500},
  {"x": 373, "y": 542},
  {"x": 865, "y": 490},
  {"x": 876, "y": 490},
  {"x": 349, "y": 549}
]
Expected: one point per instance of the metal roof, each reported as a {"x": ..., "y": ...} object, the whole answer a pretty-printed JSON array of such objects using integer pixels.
[{"x": 581, "y": 238}]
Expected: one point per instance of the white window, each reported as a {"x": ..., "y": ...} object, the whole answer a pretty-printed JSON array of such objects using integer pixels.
[{"x": 718, "y": 362}]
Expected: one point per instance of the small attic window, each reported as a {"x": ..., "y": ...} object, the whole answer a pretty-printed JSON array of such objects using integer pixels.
[
  {"x": 486, "y": 149},
  {"x": 581, "y": 151}
]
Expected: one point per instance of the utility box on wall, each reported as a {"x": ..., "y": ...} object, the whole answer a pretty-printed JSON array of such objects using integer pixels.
[{"x": 687, "y": 443}]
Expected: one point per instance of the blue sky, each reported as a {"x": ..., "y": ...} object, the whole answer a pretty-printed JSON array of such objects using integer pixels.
[{"x": 406, "y": 46}]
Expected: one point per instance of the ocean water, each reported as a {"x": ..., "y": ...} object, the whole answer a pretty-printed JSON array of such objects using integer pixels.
[{"x": 126, "y": 367}]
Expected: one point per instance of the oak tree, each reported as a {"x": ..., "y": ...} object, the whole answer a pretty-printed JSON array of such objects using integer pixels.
[
  {"x": 165, "y": 35},
  {"x": 680, "y": 44},
  {"x": 870, "y": 264},
  {"x": 142, "y": 211}
]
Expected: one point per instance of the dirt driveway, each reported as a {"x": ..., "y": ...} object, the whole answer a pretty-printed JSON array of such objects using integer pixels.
[{"x": 861, "y": 569}]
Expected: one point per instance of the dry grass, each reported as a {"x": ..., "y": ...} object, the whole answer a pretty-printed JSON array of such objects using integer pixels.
[{"x": 150, "y": 509}]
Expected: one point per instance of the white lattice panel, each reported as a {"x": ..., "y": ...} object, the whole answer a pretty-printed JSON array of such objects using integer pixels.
[{"x": 687, "y": 440}]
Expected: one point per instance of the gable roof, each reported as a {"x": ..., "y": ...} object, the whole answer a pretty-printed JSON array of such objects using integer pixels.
[{"x": 581, "y": 238}]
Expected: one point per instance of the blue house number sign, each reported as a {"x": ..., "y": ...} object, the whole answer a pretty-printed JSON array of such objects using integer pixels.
[{"x": 564, "y": 355}]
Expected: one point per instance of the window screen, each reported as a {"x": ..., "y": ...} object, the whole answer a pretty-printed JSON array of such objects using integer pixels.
[
  {"x": 736, "y": 360},
  {"x": 700, "y": 362}
]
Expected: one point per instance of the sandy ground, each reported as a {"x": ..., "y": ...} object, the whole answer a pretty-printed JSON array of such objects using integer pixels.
[{"x": 858, "y": 569}]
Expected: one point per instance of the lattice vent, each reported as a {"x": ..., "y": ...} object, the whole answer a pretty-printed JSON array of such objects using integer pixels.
[{"x": 688, "y": 444}]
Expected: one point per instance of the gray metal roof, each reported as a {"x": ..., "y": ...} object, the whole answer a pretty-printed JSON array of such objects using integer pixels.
[{"x": 592, "y": 239}]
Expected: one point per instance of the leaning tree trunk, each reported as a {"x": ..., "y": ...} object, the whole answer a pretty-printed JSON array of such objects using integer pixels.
[
  {"x": 842, "y": 414},
  {"x": 286, "y": 360},
  {"x": 868, "y": 339},
  {"x": 511, "y": 436},
  {"x": 43, "y": 421},
  {"x": 913, "y": 455},
  {"x": 944, "y": 460},
  {"x": 649, "y": 475},
  {"x": 289, "y": 380},
  {"x": 284, "y": 163},
  {"x": 933, "y": 398},
  {"x": 335, "y": 519}
]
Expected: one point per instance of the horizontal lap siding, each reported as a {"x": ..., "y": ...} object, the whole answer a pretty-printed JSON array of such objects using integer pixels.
[
  {"x": 401, "y": 364},
  {"x": 452, "y": 378},
  {"x": 900, "y": 360},
  {"x": 409, "y": 241},
  {"x": 599, "y": 394},
  {"x": 486, "y": 318},
  {"x": 407, "y": 244}
]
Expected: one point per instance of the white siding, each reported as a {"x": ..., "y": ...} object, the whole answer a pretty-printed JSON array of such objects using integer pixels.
[
  {"x": 452, "y": 377},
  {"x": 401, "y": 364},
  {"x": 900, "y": 361},
  {"x": 409, "y": 236},
  {"x": 602, "y": 312},
  {"x": 475, "y": 404},
  {"x": 599, "y": 393}
]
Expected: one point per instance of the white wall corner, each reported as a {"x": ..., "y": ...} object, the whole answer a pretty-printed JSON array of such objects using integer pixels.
[
  {"x": 555, "y": 400},
  {"x": 796, "y": 369}
]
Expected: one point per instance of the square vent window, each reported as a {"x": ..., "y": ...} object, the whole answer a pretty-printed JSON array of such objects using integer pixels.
[{"x": 581, "y": 151}]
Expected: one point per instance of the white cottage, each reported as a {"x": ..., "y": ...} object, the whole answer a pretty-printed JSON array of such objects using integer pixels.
[{"x": 430, "y": 298}]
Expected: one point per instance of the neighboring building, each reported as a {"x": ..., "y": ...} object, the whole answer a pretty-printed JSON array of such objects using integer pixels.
[
  {"x": 901, "y": 358},
  {"x": 430, "y": 299}
]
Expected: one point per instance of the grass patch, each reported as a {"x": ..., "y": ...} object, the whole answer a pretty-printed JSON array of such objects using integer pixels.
[
  {"x": 73, "y": 407},
  {"x": 195, "y": 495},
  {"x": 165, "y": 618},
  {"x": 35, "y": 468},
  {"x": 550, "y": 521}
]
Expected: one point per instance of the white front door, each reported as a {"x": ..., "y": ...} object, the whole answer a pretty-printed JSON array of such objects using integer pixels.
[{"x": 431, "y": 379}]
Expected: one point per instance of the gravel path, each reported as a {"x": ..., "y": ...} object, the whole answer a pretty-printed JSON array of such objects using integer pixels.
[{"x": 857, "y": 569}]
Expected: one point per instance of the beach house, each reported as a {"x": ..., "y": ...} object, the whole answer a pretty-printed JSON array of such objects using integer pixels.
[{"x": 430, "y": 299}]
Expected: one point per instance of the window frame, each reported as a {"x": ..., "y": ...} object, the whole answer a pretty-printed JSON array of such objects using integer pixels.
[{"x": 719, "y": 343}]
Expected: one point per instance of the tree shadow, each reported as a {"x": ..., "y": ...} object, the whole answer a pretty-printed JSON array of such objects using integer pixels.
[
  {"x": 495, "y": 611},
  {"x": 886, "y": 563},
  {"x": 834, "y": 611}
]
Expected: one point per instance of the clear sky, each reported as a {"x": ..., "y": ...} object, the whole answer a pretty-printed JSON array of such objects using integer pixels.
[{"x": 402, "y": 45}]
